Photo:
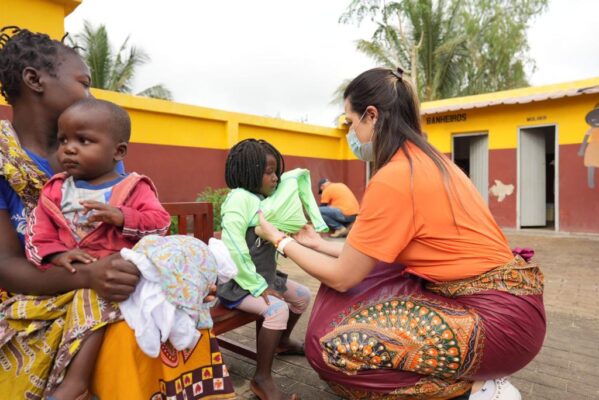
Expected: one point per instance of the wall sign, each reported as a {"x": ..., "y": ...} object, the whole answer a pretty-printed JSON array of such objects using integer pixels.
[
  {"x": 443, "y": 119},
  {"x": 536, "y": 118}
]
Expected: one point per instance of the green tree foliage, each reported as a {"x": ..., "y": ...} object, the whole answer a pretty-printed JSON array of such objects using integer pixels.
[
  {"x": 450, "y": 47},
  {"x": 112, "y": 70}
]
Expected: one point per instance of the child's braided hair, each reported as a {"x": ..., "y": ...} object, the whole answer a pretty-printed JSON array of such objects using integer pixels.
[
  {"x": 21, "y": 48},
  {"x": 246, "y": 164}
]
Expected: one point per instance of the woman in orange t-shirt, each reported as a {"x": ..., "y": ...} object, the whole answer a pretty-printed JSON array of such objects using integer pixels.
[{"x": 425, "y": 298}]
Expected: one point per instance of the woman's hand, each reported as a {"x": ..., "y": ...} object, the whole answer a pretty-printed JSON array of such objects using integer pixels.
[
  {"x": 308, "y": 237},
  {"x": 267, "y": 231},
  {"x": 112, "y": 277}
]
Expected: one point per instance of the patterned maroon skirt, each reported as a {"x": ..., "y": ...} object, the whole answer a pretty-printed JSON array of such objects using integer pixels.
[{"x": 396, "y": 336}]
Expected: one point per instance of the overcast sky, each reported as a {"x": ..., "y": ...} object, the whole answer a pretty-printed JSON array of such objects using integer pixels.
[{"x": 284, "y": 58}]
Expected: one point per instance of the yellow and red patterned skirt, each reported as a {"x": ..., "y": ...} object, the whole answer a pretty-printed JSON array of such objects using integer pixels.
[{"x": 123, "y": 371}]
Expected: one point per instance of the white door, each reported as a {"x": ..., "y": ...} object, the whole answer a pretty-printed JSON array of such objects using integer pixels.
[
  {"x": 532, "y": 183},
  {"x": 479, "y": 164}
]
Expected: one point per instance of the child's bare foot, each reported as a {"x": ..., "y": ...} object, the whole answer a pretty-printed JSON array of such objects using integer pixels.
[
  {"x": 290, "y": 347},
  {"x": 267, "y": 389}
]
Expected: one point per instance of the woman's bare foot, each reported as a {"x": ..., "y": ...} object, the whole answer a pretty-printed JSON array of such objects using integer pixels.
[{"x": 267, "y": 389}]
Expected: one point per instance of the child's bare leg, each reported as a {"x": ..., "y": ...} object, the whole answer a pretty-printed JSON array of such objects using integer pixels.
[
  {"x": 286, "y": 344},
  {"x": 298, "y": 297},
  {"x": 275, "y": 316},
  {"x": 78, "y": 376},
  {"x": 265, "y": 352}
]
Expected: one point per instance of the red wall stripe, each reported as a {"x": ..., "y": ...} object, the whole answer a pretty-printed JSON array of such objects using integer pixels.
[
  {"x": 180, "y": 173},
  {"x": 503, "y": 167},
  {"x": 579, "y": 204}
]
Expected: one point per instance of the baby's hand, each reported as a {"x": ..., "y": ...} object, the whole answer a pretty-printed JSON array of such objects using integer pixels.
[
  {"x": 66, "y": 259},
  {"x": 103, "y": 213},
  {"x": 211, "y": 294}
]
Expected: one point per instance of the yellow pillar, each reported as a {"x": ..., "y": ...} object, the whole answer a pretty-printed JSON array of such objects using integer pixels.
[{"x": 37, "y": 15}]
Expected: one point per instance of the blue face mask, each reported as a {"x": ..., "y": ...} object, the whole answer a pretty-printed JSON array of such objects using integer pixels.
[{"x": 364, "y": 151}]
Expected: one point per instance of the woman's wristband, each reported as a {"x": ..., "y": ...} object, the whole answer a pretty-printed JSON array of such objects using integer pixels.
[
  {"x": 283, "y": 243},
  {"x": 278, "y": 241}
]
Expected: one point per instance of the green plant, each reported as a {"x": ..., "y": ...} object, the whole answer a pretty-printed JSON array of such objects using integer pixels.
[
  {"x": 174, "y": 228},
  {"x": 216, "y": 197}
]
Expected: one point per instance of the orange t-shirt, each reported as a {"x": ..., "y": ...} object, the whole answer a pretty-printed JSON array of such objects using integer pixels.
[
  {"x": 338, "y": 195},
  {"x": 406, "y": 217}
]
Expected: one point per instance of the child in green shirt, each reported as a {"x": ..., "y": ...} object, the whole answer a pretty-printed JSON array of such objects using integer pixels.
[{"x": 253, "y": 170}]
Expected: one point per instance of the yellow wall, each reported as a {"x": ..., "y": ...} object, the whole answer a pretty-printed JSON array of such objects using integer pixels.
[
  {"x": 169, "y": 123},
  {"x": 37, "y": 15},
  {"x": 503, "y": 122}
]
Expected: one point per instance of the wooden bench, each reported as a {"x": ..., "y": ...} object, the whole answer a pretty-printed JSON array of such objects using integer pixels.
[{"x": 200, "y": 216}]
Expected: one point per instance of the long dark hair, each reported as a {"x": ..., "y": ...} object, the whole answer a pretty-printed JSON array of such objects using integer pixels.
[
  {"x": 398, "y": 120},
  {"x": 399, "y": 114}
]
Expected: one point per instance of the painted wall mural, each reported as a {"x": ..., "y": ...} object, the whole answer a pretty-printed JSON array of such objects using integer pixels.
[
  {"x": 501, "y": 190},
  {"x": 589, "y": 148}
]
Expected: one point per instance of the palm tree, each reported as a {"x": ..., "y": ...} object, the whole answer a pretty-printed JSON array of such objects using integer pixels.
[
  {"x": 441, "y": 49},
  {"x": 450, "y": 47},
  {"x": 110, "y": 70},
  {"x": 420, "y": 36}
]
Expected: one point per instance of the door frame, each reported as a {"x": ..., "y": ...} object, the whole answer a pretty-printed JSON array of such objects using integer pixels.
[
  {"x": 477, "y": 133},
  {"x": 472, "y": 134},
  {"x": 556, "y": 213}
]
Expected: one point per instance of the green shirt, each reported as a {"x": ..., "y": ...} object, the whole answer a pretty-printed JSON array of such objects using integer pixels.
[{"x": 284, "y": 209}]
